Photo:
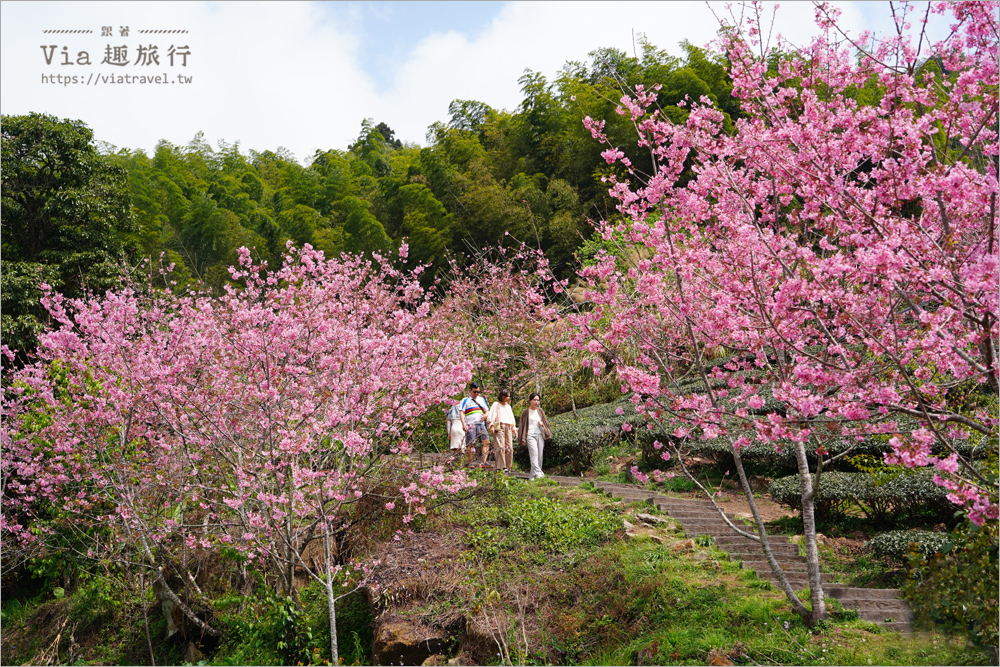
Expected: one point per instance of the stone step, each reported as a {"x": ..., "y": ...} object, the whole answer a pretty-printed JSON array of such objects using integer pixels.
[
  {"x": 762, "y": 566},
  {"x": 740, "y": 540},
  {"x": 797, "y": 580},
  {"x": 759, "y": 563},
  {"x": 684, "y": 503},
  {"x": 633, "y": 497},
  {"x": 707, "y": 519},
  {"x": 759, "y": 558},
  {"x": 887, "y": 606},
  {"x": 779, "y": 550},
  {"x": 711, "y": 527},
  {"x": 566, "y": 481},
  {"x": 726, "y": 533},
  {"x": 619, "y": 493},
  {"x": 855, "y": 593},
  {"x": 701, "y": 517},
  {"x": 707, "y": 508},
  {"x": 716, "y": 533}
]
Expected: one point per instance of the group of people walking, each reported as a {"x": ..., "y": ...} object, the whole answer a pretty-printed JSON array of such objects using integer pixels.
[{"x": 473, "y": 420}]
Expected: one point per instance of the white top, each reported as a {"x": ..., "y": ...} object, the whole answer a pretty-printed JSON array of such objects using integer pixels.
[
  {"x": 534, "y": 422},
  {"x": 501, "y": 413}
]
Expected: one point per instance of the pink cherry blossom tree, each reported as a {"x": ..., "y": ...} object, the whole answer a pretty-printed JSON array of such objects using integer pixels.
[
  {"x": 504, "y": 308},
  {"x": 154, "y": 425},
  {"x": 841, "y": 244}
]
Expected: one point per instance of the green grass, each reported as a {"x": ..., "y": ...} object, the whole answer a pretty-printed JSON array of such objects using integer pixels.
[
  {"x": 629, "y": 601},
  {"x": 14, "y": 612},
  {"x": 592, "y": 598},
  {"x": 636, "y": 597}
]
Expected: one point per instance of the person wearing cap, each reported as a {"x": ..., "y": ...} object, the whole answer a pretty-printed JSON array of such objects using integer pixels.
[{"x": 474, "y": 408}]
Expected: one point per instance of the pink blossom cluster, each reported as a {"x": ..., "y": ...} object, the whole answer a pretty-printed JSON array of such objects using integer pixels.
[
  {"x": 842, "y": 243},
  {"x": 251, "y": 420}
]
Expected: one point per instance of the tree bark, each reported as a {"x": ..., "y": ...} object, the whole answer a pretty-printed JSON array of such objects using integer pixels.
[
  {"x": 331, "y": 600},
  {"x": 808, "y": 494},
  {"x": 765, "y": 544}
]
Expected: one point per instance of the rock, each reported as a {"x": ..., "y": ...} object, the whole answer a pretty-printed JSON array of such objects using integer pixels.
[
  {"x": 823, "y": 540},
  {"x": 438, "y": 660},
  {"x": 628, "y": 526},
  {"x": 682, "y": 546},
  {"x": 657, "y": 538},
  {"x": 403, "y": 641},
  {"x": 457, "y": 660},
  {"x": 700, "y": 555},
  {"x": 797, "y": 539},
  {"x": 652, "y": 519}
]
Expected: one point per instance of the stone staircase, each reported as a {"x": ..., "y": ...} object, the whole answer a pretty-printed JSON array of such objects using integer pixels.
[{"x": 699, "y": 517}]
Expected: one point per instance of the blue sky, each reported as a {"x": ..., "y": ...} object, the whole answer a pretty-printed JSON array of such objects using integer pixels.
[
  {"x": 391, "y": 30},
  {"x": 304, "y": 75}
]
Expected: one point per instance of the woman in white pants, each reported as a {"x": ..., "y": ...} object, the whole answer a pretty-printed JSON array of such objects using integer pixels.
[{"x": 532, "y": 432}]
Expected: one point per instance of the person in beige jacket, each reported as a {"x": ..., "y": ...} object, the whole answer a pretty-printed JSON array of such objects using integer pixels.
[
  {"x": 504, "y": 430},
  {"x": 533, "y": 430}
]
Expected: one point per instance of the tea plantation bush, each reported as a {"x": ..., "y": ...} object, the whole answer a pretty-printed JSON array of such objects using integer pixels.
[
  {"x": 957, "y": 587},
  {"x": 577, "y": 437},
  {"x": 881, "y": 496},
  {"x": 896, "y": 544}
]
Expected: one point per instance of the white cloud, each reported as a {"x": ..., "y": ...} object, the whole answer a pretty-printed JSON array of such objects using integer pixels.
[{"x": 296, "y": 74}]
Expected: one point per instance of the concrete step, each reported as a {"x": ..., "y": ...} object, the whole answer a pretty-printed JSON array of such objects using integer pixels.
[
  {"x": 706, "y": 517},
  {"x": 633, "y": 497},
  {"x": 797, "y": 580},
  {"x": 700, "y": 517},
  {"x": 740, "y": 540},
  {"x": 716, "y": 533},
  {"x": 843, "y": 593},
  {"x": 779, "y": 550},
  {"x": 762, "y": 566},
  {"x": 704, "y": 527},
  {"x": 684, "y": 503},
  {"x": 887, "y": 606}
]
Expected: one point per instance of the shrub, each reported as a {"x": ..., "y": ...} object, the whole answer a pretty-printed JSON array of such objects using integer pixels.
[
  {"x": 881, "y": 496},
  {"x": 577, "y": 437},
  {"x": 896, "y": 544},
  {"x": 836, "y": 492},
  {"x": 956, "y": 587}
]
